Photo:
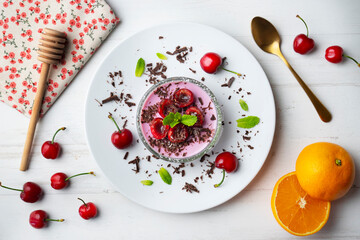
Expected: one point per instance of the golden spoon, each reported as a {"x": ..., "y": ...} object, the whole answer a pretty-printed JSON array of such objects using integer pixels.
[{"x": 268, "y": 39}]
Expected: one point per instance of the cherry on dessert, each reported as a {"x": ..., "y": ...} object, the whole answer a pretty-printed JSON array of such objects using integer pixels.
[
  {"x": 302, "y": 43},
  {"x": 30, "y": 193},
  {"x": 178, "y": 134},
  {"x": 61, "y": 180},
  {"x": 87, "y": 210},
  {"x": 122, "y": 138},
  {"x": 166, "y": 106},
  {"x": 226, "y": 161},
  {"x": 183, "y": 97},
  {"x": 158, "y": 129},
  {"x": 196, "y": 112},
  {"x": 39, "y": 218},
  {"x": 51, "y": 149},
  {"x": 211, "y": 62},
  {"x": 334, "y": 54}
]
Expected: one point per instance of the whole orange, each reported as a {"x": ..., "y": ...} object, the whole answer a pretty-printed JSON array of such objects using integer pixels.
[{"x": 325, "y": 170}]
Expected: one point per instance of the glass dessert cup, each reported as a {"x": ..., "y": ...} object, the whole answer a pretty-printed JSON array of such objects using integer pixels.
[{"x": 194, "y": 150}]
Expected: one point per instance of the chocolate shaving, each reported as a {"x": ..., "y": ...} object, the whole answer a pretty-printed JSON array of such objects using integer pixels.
[
  {"x": 98, "y": 102},
  {"x": 224, "y": 85},
  {"x": 126, "y": 155},
  {"x": 130, "y": 104},
  {"x": 125, "y": 123},
  {"x": 201, "y": 101},
  {"x": 161, "y": 37},
  {"x": 210, "y": 171},
  {"x": 111, "y": 98},
  {"x": 246, "y": 138},
  {"x": 213, "y": 118},
  {"x": 230, "y": 82},
  {"x": 136, "y": 162},
  {"x": 192, "y": 70},
  {"x": 190, "y": 188}
]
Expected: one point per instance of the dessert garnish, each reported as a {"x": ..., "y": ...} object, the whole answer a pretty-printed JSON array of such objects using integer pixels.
[
  {"x": 166, "y": 106},
  {"x": 122, "y": 138},
  {"x": 61, "y": 180},
  {"x": 147, "y": 182},
  {"x": 87, "y": 210},
  {"x": 243, "y": 105},
  {"x": 302, "y": 43},
  {"x": 39, "y": 219},
  {"x": 211, "y": 62},
  {"x": 158, "y": 129},
  {"x": 165, "y": 176},
  {"x": 248, "y": 122},
  {"x": 51, "y": 149},
  {"x": 227, "y": 162},
  {"x": 140, "y": 67},
  {"x": 30, "y": 193},
  {"x": 334, "y": 54},
  {"x": 161, "y": 56},
  {"x": 183, "y": 97},
  {"x": 172, "y": 119},
  {"x": 190, "y": 188}
]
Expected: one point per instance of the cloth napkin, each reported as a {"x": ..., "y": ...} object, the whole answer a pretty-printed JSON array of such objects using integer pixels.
[{"x": 86, "y": 22}]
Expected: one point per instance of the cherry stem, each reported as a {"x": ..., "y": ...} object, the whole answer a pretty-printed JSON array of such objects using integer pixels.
[
  {"x": 352, "y": 59},
  {"x": 222, "y": 180},
  {"x": 307, "y": 29},
  {"x": 114, "y": 122},
  {"x": 239, "y": 74},
  {"x": 83, "y": 202},
  {"x": 53, "y": 139},
  {"x": 66, "y": 179},
  {"x": 54, "y": 220},
  {"x": 11, "y": 188}
]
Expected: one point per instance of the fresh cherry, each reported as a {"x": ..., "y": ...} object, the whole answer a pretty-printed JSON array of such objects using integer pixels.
[
  {"x": 51, "y": 149},
  {"x": 196, "y": 112},
  {"x": 87, "y": 210},
  {"x": 178, "y": 134},
  {"x": 61, "y": 180},
  {"x": 30, "y": 193},
  {"x": 183, "y": 97},
  {"x": 39, "y": 218},
  {"x": 302, "y": 43},
  {"x": 166, "y": 106},
  {"x": 334, "y": 54},
  {"x": 226, "y": 161},
  {"x": 121, "y": 138},
  {"x": 211, "y": 62},
  {"x": 158, "y": 129}
]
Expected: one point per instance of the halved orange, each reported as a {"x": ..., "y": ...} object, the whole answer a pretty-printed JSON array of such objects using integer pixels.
[{"x": 295, "y": 210}]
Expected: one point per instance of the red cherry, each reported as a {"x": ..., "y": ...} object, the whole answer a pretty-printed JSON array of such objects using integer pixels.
[
  {"x": 226, "y": 161},
  {"x": 158, "y": 129},
  {"x": 183, "y": 97},
  {"x": 178, "y": 134},
  {"x": 166, "y": 106},
  {"x": 334, "y": 54},
  {"x": 39, "y": 218},
  {"x": 211, "y": 61},
  {"x": 31, "y": 192},
  {"x": 61, "y": 180},
  {"x": 87, "y": 210},
  {"x": 51, "y": 149},
  {"x": 122, "y": 138},
  {"x": 302, "y": 43},
  {"x": 196, "y": 112}
]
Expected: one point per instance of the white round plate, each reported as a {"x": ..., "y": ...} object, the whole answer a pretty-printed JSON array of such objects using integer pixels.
[{"x": 256, "y": 91}]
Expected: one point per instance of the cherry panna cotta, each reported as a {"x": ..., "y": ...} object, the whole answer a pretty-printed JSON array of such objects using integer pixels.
[
  {"x": 61, "y": 180},
  {"x": 166, "y": 106},
  {"x": 39, "y": 219},
  {"x": 178, "y": 134},
  {"x": 183, "y": 97},
  {"x": 158, "y": 129},
  {"x": 196, "y": 112},
  {"x": 30, "y": 193},
  {"x": 334, "y": 54},
  {"x": 228, "y": 162},
  {"x": 302, "y": 43},
  {"x": 87, "y": 210},
  {"x": 211, "y": 62},
  {"x": 121, "y": 139},
  {"x": 51, "y": 149}
]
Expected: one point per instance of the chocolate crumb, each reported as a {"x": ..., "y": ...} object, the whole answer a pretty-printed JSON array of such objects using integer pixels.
[
  {"x": 224, "y": 85},
  {"x": 161, "y": 37},
  {"x": 192, "y": 70},
  {"x": 148, "y": 158},
  {"x": 251, "y": 147},
  {"x": 201, "y": 101},
  {"x": 183, "y": 173},
  {"x": 229, "y": 97},
  {"x": 112, "y": 97},
  {"x": 125, "y": 123},
  {"x": 126, "y": 155},
  {"x": 203, "y": 79},
  {"x": 230, "y": 82},
  {"x": 190, "y": 188},
  {"x": 246, "y": 138},
  {"x": 213, "y": 118}
]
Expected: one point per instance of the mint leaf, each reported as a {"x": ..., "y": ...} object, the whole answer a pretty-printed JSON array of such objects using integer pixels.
[
  {"x": 243, "y": 105},
  {"x": 140, "y": 67},
  {"x": 161, "y": 56},
  {"x": 169, "y": 119},
  {"x": 165, "y": 176},
  {"x": 178, "y": 116},
  {"x": 147, "y": 182},
  {"x": 248, "y": 122},
  {"x": 188, "y": 120},
  {"x": 174, "y": 123}
]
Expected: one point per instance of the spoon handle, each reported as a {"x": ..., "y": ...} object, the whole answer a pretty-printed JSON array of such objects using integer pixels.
[{"x": 324, "y": 114}]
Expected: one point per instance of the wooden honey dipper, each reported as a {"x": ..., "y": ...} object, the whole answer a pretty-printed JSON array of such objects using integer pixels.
[{"x": 51, "y": 49}]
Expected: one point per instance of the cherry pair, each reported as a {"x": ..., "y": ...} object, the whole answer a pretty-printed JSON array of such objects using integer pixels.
[{"x": 303, "y": 44}]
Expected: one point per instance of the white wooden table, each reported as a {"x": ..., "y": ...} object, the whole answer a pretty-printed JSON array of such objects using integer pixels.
[{"x": 246, "y": 216}]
